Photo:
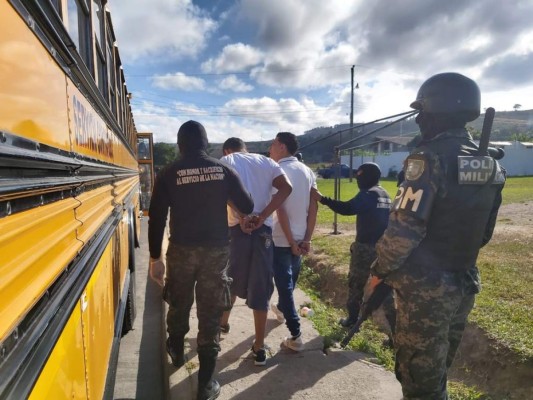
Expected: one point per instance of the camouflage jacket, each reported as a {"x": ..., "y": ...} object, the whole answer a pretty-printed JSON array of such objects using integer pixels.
[{"x": 446, "y": 208}]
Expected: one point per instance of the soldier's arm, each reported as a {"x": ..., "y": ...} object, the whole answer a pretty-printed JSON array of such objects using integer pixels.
[
  {"x": 354, "y": 206},
  {"x": 239, "y": 198},
  {"x": 402, "y": 236},
  {"x": 409, "y": 214}
]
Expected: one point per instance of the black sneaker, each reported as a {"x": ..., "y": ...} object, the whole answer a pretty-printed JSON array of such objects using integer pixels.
[
  {"x": 224, "y": 328},
  {"x": 347, "y": 322},
  {"x": 260, "y": 356},
  {"x": 176, "y": 354}
]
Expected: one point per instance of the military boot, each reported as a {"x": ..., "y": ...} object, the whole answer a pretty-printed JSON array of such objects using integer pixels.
[
  {"x": 347, "y": 322},
  {"x": 208, "y": 388},
  {"x": 175, "y": 350}
]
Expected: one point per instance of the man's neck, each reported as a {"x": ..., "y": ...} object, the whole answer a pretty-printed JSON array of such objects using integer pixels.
[{"x": 282, "y": 156}]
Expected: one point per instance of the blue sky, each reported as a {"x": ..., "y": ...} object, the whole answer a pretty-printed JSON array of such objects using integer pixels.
[{"x": 252, "y": 68}]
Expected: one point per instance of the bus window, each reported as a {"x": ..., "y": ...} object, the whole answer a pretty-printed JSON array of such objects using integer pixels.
[
  {"x": 79, "y": 29},
  {"x": 146, "y": 168},
  {"x": 143, "y": 145}
]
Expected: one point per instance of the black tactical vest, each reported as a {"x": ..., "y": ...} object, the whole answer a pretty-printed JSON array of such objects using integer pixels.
[{"x": 468, "y": 193}]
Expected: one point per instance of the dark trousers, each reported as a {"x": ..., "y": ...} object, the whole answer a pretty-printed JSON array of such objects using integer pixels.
[
  {"x": 286, "y": 272},
  {"x": 362, "y": 256}
]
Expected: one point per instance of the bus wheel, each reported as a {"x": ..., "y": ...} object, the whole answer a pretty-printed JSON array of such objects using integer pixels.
[{"x": 130, "y": 312}]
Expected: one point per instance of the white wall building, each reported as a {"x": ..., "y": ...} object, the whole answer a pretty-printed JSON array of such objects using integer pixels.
[{"x": 518, "y": 160}]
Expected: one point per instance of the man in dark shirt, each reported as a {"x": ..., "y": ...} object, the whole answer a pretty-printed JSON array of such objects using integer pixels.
[
  {"x": 196, "y": 188},
  {"x": 372, "y": 206}
]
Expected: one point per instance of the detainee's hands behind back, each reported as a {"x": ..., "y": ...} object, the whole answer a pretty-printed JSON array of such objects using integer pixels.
[
  {"x": 250, "y": 223},
  {"x": 157, "y": 271}
]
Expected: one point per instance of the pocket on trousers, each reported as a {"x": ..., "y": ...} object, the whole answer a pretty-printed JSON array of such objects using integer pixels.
[{"x": 226, "y": 293}]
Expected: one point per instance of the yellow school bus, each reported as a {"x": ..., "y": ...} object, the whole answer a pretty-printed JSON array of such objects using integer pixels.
[{"x": 69, "y": 200}]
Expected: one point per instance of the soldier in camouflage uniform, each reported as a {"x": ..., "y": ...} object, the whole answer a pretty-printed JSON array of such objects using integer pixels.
[
  {"x": 371, "y": 205},
  {"x": 443, "y": 213},
  {"x": 196, "y": 188}
]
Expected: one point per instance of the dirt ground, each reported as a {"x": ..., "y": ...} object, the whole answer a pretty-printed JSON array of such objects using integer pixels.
[
  {"x": 481, "y": 361},
  {"x": 515, "y": 220}
]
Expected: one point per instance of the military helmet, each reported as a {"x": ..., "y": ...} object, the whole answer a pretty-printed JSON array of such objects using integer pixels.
[{"x": 449, "y": 93}]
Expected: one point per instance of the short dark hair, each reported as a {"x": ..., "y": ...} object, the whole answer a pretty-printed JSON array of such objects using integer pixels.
[
  {"x": 234, "y": 144},
  {"x": 289, "y": 140}
]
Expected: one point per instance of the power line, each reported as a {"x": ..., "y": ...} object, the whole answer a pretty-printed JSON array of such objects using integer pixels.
[{"x": 273, "y": 71}]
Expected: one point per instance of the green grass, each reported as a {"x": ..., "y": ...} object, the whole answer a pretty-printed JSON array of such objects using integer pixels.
[
  {"x": 517, "y": 190},
  {"x": 347, "y": 191},
  {"x": 369, "y": 340},
  {"x": 504, "y": 308},
  {"x": 458, "y": 391}
]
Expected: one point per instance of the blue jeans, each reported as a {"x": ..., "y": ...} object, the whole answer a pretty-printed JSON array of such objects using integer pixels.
[{"x": 286, "y": 272}]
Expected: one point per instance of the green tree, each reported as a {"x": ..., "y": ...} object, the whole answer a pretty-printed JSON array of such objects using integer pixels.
[
  {"x": 521, "y": 137},
  {"x": 164, "y": 154},
  {"x": 517, "y": 107},
  {"x": 475, "y": 133}
]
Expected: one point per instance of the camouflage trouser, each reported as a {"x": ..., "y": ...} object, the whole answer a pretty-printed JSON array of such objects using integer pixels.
[
  {"x": 202, "y": 270},
  {"x": 432, "y": 308},
  {"x": 362, "y": 257}
]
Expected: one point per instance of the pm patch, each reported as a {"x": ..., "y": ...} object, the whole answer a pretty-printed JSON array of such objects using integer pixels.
[
  {"x": 415, "y": 169},
  {"x": 475, "y": 170}
]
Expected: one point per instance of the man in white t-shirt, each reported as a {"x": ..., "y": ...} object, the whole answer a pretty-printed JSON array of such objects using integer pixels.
[
  {"x": 251, "y": 247},
  {"x": 294, "y": 223}
]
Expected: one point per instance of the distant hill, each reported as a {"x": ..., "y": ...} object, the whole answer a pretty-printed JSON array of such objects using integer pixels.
[{"x": 508, "y": 125}]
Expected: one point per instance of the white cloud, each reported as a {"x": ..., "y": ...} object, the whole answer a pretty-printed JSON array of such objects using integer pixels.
[
  {"x": 179, "y": 81},
  {"x": 299, "y": 52},
  {"x": 156, "y": 31},
  {"x": 234, "y": 84},
  {"x": 233, "y": 58}
]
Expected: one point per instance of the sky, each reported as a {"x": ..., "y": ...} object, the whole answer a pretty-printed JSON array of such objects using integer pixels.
[{"x": 252, "y": 68}]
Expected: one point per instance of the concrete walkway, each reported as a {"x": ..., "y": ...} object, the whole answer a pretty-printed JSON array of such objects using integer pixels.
[
  {"x": 310, "y": 374},
  {"x": 146, "y": 372}
]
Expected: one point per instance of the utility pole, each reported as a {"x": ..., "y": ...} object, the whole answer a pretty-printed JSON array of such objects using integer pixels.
[{"x": 351, "y": 130}]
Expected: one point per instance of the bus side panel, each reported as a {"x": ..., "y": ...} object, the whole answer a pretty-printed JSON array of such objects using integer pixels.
[
  {"x": 98, "y": 323},
  {"x": 90, "y": 135},
  {"x": 32, "y": 100},
  {"x": 96, "y": 206},
  {"x": 35, "y": 247},
  {"x": 124, "y": 187},
  {"x": 123, "y": 157},
  {"x": 63, "y": 376}
]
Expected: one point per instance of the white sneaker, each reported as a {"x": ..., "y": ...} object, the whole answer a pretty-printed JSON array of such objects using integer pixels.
[
  {"x": 294, "y": 343},
  {"x": 279, "y": 314}
]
